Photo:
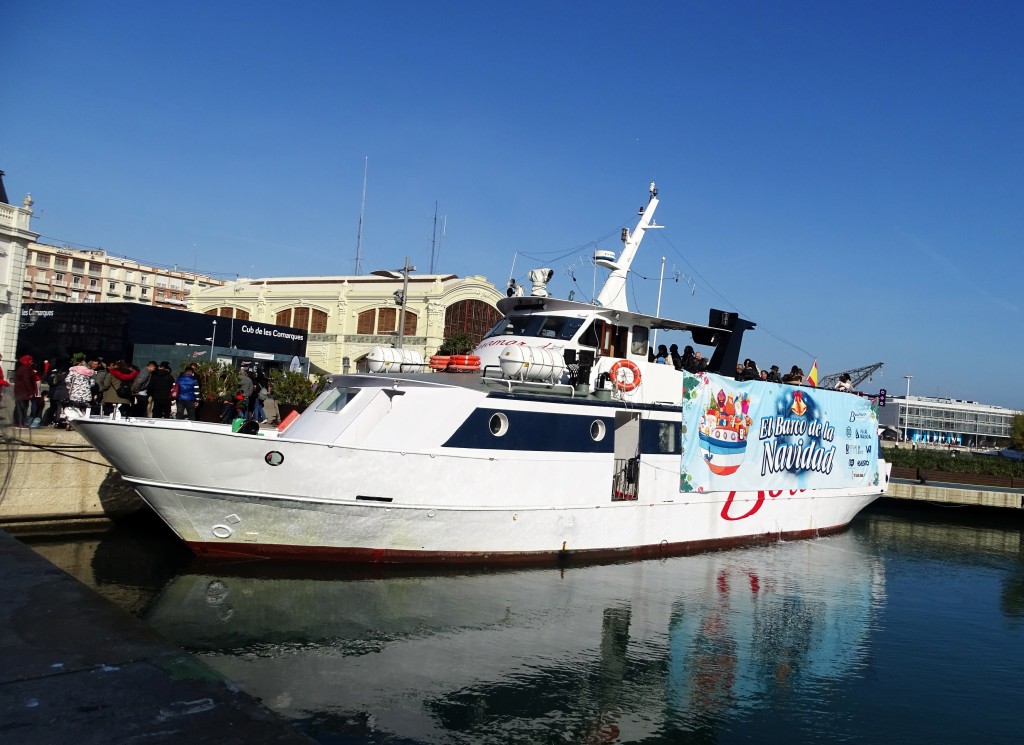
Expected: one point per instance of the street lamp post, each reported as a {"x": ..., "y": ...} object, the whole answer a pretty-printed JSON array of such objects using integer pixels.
[
  {"x": 395, "y": 274},
  {"x": 906, "y": 412},
  {"x": 405, "y": 298},
  {"x": 213, "y": 338}
]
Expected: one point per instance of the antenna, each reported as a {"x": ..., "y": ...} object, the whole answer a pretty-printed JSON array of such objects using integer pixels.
[
  {"x": 362, "y": 208},
  {"x": 512, "y": 272},
  {"x": 440, "y": 238},
  {"x": 433, "y": 241}
]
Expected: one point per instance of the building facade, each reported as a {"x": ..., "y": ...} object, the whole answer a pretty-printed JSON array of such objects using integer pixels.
[
  {"x": 69, "y": 275},
  {"x": 948, "y": 421},
  {"x": 15, "y": 237},
  {"x": 346, "y": 317}
]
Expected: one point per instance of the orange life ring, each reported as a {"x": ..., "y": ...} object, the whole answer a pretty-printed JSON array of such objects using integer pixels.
[{"x": 625, "y": 385}]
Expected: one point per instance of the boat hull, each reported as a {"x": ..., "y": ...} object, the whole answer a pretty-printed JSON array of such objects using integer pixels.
[
  {"x": 510, "y": 553},
  {"x": 389, "y": 506}
]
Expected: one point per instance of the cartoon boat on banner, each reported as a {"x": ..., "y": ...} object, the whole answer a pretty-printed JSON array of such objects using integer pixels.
[
  {"x": 558, "y": 437},
  {"x": 723, "y": 433}
]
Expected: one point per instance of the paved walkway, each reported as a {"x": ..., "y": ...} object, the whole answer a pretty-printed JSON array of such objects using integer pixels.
[{"x": 74, "y": 668}]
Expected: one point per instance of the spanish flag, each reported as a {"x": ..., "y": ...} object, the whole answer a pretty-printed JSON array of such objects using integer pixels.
[{"x": 812, "y": 376}]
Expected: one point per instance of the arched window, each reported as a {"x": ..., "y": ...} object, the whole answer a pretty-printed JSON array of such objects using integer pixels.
[
  {"x": 307, "y": 319},
  {"x": 472, "y": 317},
  {"x": 237, "y": 313},
  {"x": 385, "y": 321}
]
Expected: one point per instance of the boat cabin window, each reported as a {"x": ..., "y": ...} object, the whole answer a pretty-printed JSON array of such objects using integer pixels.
[
  {"x": 613, "y": 343},
  {"x": 591, "y": 336},
  {"x": 640, "y": 338},
  {"x": 336, "y": 399},
  {"x": 609, "y": 339},
  {"x": 668, "y": 437},
  {"x": 559, "y": 327},
  {"x": 545, "y": 327}
]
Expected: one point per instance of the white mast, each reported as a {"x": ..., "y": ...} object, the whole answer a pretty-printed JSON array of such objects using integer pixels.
[
  {"x": 657, "y": 310},
  {"x": 613, "y": 294}
]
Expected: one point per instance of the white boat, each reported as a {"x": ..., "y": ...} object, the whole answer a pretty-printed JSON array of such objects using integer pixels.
[{"x": 557, "y": 438}]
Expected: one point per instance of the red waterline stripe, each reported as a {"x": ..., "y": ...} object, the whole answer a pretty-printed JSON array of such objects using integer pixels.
[{"x": 220, "y": 550}]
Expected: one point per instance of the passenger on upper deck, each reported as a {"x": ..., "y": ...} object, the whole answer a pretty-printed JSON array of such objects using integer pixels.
[
  {"x": 662, "y": 357},
  {"x": 677, "y": 361},
  {"x": 689, "y": 362},
  {"x": 844, "y": 383},
  {"x": 773, "y": 376},
  {"x": 794, "y": 377}
]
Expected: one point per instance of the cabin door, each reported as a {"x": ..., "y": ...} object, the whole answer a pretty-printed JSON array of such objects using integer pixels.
[{"x": 626, "y": 476}]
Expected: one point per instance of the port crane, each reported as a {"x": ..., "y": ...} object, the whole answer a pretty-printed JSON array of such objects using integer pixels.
[{"x": 857, "y": 376}]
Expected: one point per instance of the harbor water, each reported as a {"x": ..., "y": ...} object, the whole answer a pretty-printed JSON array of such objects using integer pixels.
[{"x": 907, "y": 628}]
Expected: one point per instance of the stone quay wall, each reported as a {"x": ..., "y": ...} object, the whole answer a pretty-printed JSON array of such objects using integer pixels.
[{"x": 54, "y": 476}]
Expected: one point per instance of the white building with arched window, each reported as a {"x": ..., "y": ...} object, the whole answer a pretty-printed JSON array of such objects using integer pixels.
[
  {"x": 15, "y": 236},
  {"x": 346, "y": 317}
]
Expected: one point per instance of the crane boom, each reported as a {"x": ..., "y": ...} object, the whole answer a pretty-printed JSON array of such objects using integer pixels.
[{"x": 857, "y": 375}]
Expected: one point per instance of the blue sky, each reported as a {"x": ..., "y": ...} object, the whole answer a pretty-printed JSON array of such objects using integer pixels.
[{"x": 847, "y": 175}]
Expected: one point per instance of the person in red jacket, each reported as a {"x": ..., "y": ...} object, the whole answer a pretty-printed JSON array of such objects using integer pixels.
[
  {"x": 25, "y": 388},
  {"x": 3, "y": 380},
  {"x": 114, "y": 396}
]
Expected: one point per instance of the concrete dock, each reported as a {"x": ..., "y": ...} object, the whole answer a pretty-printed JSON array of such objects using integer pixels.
[
  {"x": 54, "y": 475},
  {"x": 78, "y": 669}
]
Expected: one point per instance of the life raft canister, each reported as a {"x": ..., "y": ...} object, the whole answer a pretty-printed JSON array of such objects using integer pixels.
[
  {"x": 464, "y": 362},
  {"x": 625, "y": 383}
]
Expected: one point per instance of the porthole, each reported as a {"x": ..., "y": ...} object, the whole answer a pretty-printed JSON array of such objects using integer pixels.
[
  {"x": 274, "y": 458},
  {"x": 498, "y": 425},
  {"x": 597, "y": 430}
]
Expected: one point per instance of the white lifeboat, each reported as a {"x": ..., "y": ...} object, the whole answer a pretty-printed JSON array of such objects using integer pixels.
[
  {"x": 391, "y": 360},
  {"x": 532, "y": 363}
]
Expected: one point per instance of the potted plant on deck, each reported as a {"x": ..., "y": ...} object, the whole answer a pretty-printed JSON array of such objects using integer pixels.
[
  {"x": 293, "y": 391},
  {"x": 218, "y": 382}
]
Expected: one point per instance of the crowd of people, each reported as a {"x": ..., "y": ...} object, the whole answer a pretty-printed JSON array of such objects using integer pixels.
[
  {"x": 46, "y": 393},
  {"x": 693, "y": 362}
]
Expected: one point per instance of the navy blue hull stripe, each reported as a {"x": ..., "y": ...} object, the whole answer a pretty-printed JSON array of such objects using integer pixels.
[{"x": 557, "y": 432}]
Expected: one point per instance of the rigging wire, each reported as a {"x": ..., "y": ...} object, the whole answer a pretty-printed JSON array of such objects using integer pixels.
[
  {"x": 728, "y": 302},
  {"x": 549, "y": 256},
  {"x": 584, "y": 293},
  {"x": 542, "y": 255}
]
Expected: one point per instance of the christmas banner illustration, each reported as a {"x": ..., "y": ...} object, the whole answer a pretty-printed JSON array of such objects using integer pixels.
[{"x": 750, "y": 436}]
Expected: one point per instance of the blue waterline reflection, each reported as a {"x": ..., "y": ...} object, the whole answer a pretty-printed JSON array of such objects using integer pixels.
[{"x": 907, "y": 628}]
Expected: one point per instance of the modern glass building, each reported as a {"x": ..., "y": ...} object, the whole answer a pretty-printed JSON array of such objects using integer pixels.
[
  {"x": 137, "y": 333},
  {"x": 948, "y": 421}
]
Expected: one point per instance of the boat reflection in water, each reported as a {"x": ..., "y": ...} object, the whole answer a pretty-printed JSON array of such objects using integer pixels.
[{"x": 583, "y": 654}]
